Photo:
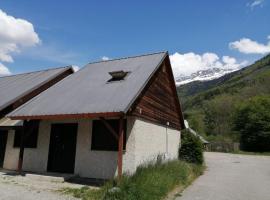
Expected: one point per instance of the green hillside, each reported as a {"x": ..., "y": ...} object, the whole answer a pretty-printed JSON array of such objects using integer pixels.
[{"x": 210, "y": 105}]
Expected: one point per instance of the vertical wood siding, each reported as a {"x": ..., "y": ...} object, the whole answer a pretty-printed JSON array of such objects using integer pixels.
[{"x": 159, "y": 102}]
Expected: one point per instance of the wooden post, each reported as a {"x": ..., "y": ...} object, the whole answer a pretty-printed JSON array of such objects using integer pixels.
[
  {"x": 120, "y": 147},
  {"x": 20, "y": 162}
]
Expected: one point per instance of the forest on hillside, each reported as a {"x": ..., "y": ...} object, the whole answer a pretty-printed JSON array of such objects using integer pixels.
[{"x": 213, "y": 107}]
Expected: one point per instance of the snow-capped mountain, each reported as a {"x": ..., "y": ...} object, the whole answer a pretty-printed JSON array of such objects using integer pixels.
[{"x": 203, "y": 75}]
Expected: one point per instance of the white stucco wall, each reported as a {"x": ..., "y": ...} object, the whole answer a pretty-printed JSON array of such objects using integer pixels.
[
  {"x": 102, "y": 164},
  {"x": 35, "y": 159},
  {"x": 11, "y": 154},
  {"x": 145, "y": 141},
  {"x": 152, "y": 140},
  {"x": 88, "y": 163}
]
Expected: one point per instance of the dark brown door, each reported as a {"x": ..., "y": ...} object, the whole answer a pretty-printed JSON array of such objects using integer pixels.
[
  {"x": 62, "y": 148},
  {"x": 3, "y": 142}
]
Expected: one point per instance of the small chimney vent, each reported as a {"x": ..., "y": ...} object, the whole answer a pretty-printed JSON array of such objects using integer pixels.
[{"x": 117, "y": 75}]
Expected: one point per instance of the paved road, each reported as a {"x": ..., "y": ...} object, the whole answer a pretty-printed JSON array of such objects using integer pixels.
[{"x": 232, "y": 177}]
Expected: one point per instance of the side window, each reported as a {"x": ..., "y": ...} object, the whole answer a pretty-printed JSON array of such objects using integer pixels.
[
  {"x": 30, "y": 134},
  {"x": 103, "y": 139}
]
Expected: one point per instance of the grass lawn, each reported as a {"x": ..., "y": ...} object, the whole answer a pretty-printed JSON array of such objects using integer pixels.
[{"x": 152, "y": 181}]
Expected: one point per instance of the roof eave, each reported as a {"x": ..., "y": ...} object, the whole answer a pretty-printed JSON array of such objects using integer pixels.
[{"x": 69, "y": 116}]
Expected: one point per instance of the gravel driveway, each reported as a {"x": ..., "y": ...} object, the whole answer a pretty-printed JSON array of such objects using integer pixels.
[
  {"x": 232, "y": 177},
  {"x": 23, "y": 188}
]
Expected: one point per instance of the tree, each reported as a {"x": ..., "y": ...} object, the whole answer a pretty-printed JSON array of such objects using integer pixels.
[
  {"x": 218, "y": 113},
  {"x": 252, "y": 121}
]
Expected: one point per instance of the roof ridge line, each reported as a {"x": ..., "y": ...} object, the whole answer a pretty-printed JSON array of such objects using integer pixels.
[
  {"x": 122, "y": 58},
  {"x": 44, "y": 70}
]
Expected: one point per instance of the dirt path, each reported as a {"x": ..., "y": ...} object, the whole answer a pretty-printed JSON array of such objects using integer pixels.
[{"x": 232, "y": 177}]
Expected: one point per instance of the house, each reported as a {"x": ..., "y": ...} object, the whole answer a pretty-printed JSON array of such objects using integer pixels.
[
  {"x": 104, "y": 120},
  {"x": 190, "y": 130},
  {"x": 15, "y": 90}
]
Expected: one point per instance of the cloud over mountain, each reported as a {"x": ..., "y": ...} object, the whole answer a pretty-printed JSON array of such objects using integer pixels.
[{"x": 188, "y": 63}]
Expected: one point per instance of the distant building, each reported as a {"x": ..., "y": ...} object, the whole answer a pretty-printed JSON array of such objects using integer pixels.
[{"x": 204, "y": 141}]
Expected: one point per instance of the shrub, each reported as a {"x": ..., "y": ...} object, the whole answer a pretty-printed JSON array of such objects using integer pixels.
[
  {"x": 252, "y": 121},
  {"x": 191, "y": 149}
]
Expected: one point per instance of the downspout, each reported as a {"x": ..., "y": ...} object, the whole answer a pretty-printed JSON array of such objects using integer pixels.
[
  {"x": 167, "y": 142},
  {"x": 120, "y": 148}
]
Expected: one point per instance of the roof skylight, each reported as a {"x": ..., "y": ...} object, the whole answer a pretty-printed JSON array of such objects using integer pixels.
[{"x": 117, "y": 75}]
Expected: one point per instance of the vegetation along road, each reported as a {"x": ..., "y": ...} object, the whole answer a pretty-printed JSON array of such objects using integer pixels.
[{"x": 232, "y": 177}]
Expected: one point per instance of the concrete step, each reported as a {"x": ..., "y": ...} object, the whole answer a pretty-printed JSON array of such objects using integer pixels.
[{"x": 50, "y": 177}]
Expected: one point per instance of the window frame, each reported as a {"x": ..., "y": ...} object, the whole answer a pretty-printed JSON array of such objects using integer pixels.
[
  {"x": 30, "y": 139},
  {"x": 94, "y": 138}
]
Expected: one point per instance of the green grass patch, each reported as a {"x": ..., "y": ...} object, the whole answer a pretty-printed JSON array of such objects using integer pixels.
[{"x": 152, "y": 181}]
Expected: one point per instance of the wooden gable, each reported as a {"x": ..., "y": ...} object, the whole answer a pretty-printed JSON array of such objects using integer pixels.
[{"x": 159, "y": 102}]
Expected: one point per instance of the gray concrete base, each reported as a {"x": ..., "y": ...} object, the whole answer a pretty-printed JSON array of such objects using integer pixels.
[{"x": 51, "y": 177}]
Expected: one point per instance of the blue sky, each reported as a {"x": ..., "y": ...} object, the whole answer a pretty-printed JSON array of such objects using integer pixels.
[{"x": 77, "y": 32}]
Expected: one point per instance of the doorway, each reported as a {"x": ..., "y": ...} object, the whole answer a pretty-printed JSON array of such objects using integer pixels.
[
  {"x": 3, "y": 142},
  {"x": 62, "y": 148}
]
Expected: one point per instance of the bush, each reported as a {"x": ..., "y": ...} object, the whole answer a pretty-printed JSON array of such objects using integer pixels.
[
  {"x": 152, "y": 181},
  {"x": 191, "y": 149},
  {"x": 252, "y": 121}
]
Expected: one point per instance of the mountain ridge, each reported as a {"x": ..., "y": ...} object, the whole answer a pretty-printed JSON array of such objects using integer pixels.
[
  {"x": 203, "y": 75},
  {"x": 210, "y": 105},
  {"x": 228, "y": 80}
]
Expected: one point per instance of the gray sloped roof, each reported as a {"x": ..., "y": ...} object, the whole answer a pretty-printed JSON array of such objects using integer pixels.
[
  {"x": 14, "y": 87},
  {"x": 87, "y": 91}
]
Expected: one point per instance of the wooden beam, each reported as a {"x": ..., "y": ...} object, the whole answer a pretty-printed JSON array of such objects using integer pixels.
[
  {"x": 120, "y": 147},
  {"x": 109, "y": 127},
  {"x": 69, "y": 116},
  {"x": 20, "y": 161}
]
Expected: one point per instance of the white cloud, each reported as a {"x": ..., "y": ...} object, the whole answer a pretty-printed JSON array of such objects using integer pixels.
[
  {"x": 248, "y": 46},
  {"x": 228, "y": 60},
  {"x": 105, "y": 58},
  {"x": 188, "y": 63},
  {"x": 75, "y": 68},
  {"x": 15, "y": 33},
  {"x": 255, "y": 3},
  {"x": 4, "y": 70},
  {"x": 231, "y": 63}
]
